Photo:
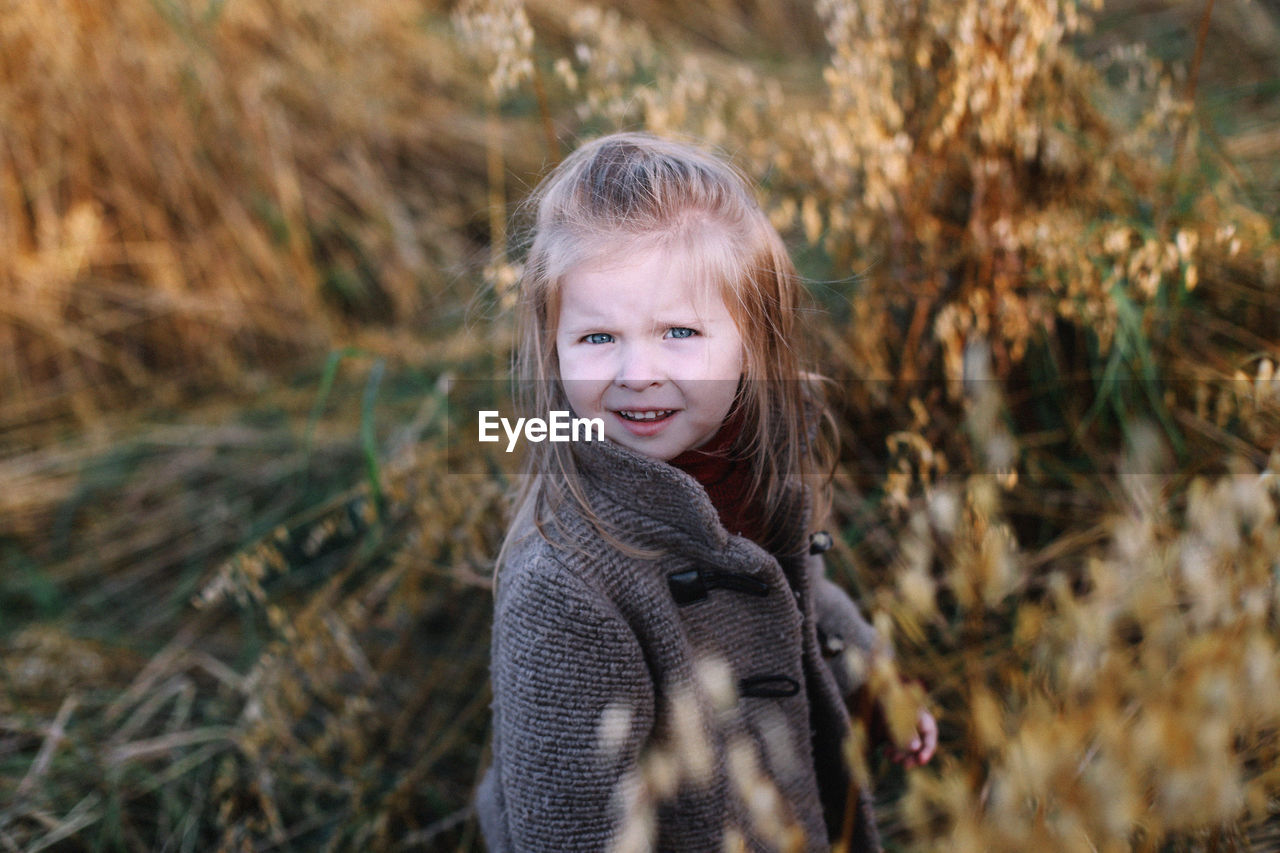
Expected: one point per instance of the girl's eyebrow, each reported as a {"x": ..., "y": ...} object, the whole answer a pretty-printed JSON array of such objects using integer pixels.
[
  {"x": 582, "y": 321},
  {"x": 598, "y": 322},
  {"x": 577, "y": 330}
]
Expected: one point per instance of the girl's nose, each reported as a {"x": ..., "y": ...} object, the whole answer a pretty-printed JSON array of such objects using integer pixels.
[{"x": 639, "y": 368}]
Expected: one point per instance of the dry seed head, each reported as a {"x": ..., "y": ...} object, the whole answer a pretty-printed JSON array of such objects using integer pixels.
[
  {"x": 1260, "y": 684},
  {"x": 944, "y": 510},
  {"x": 564, "y": 70},
  {"x": 856, "y": 747},
  {"x": 767, "y": 809},
  {"x": 987, "y": 720},
  {"x": 856, "y": 665},
  {"x": 609, "y": 51},
  {"x": 691, "y": 738},
  {"x": 613, "y": 728},
  {"x": 917, "y": 590},
  {"x": 734, "y": 841},
  {"x": 661, "y": 772},
  {"x": 782, "y": 751},
  {"x": 639, "y": 823},
  {"x": 715, "y": 678},
  {"x": 499, "y": 35}
]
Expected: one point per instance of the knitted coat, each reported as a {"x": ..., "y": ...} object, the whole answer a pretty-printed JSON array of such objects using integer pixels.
[{"x": 604, "y": 665}]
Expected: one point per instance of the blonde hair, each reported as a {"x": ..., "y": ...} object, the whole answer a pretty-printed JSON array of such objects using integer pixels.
[{"x": 631, "y": 191}]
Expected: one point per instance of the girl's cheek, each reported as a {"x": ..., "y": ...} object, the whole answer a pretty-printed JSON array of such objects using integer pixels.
[
  {"x": 707, "y": 363},
  {"x": 585, "y": 366}
]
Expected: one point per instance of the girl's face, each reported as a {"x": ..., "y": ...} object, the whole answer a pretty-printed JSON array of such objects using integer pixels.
[{"x": 644, "y": 348}]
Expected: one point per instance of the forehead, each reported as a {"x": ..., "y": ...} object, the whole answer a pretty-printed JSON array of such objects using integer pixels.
[{"x": 647, "y": 280}]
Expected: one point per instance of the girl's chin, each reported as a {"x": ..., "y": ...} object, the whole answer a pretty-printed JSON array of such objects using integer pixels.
[{"x": 661, "y": 448}]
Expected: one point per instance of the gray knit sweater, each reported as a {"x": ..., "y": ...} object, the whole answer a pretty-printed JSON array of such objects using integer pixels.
[{"x": 608, "y": 722}]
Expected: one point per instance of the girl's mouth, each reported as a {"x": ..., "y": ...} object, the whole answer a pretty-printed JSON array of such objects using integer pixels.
[
  {"x": 650, "y": 415},
  {"x": 643, "y": 423}
]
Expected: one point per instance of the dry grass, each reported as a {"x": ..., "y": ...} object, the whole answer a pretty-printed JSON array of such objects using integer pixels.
[
  {"x": 199, "y": 191},
  {"x": 263, "y": 624}
]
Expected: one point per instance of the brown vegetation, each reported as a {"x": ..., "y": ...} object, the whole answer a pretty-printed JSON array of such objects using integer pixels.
[{"x": 1050, "y": 278}]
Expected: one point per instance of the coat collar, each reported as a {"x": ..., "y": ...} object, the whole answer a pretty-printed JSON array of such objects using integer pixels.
[{"x": 650, "y": 503}]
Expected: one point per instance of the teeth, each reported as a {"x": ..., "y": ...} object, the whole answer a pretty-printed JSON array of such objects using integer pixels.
[{"x": 646, "y": 416}]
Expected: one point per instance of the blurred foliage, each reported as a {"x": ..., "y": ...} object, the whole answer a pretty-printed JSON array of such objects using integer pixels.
[{"x": 244, "y": 599}]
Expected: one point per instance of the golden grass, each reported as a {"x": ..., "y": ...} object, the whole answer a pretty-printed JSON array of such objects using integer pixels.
[
  {"x": 1050, "y": 292},
  {"x": 197, "y": 191}
]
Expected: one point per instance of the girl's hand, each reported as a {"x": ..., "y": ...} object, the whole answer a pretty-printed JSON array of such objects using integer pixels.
[{"x": 922, "y": 746}]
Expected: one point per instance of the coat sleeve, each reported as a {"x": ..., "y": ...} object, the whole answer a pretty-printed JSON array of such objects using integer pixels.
[
  {"x": 573, "y": 706},
  {"x": 847, "y": 639}
]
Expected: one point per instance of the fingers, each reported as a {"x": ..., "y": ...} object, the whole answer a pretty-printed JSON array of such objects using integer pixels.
[
  {"x": 922, "y": 747},
  {"x": 928, "y": 729}
]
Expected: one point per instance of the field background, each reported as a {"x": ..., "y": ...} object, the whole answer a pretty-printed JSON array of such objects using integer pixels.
[{"x": 244, "y": 244}]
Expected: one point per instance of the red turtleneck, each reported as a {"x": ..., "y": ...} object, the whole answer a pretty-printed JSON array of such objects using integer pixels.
[{"x": 726, "y": 480}]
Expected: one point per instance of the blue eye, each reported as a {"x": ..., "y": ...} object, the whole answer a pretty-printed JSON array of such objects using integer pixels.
[
  {"x": 681, "y": 332},
  {"x": 598, "y": 338}
]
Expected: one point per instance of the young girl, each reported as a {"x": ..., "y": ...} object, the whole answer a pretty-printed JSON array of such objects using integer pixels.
[{"x": 671, "y": 669}]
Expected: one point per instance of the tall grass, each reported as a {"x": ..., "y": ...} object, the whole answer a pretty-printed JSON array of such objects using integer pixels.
[
  {"x": 1049, "y": 307},
  {"x": 197, "y": 190}
]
